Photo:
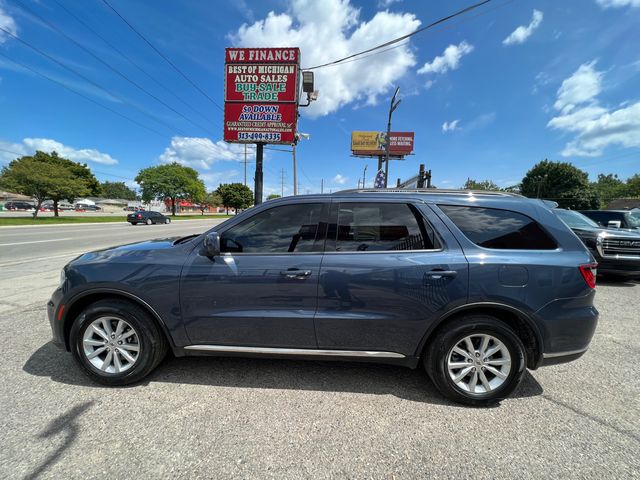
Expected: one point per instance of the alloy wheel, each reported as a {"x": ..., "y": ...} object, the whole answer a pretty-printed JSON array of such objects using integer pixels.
[
  {"x": 479, "y": 364},
  {"x": 111, "y": 345}
]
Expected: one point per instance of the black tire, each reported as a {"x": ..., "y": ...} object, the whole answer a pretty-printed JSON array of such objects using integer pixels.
[
  {"x": 133, "y": 223},
  {"x": 149, "y": 221},
  {"x": 153, "y": 343},
  {"x": 437, "y": 354}
]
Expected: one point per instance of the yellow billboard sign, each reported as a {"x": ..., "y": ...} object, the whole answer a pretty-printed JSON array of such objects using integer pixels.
[{"x": 373, "y": 143}]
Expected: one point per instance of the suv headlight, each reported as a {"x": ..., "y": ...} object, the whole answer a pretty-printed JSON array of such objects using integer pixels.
[{"x": 63, "y": 277}]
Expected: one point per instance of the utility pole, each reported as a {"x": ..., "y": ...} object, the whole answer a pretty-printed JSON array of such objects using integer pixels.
[
  {"x": 322, "y": 185},
  {"x": 245, "y": 164},
  {"x": 258, "y": 177},
  {"x": 282, "y": 183},
  {"x": 295, "y": 178},
  {"x": 392, "y": 106},
  {"x": 364, "y": 176}
]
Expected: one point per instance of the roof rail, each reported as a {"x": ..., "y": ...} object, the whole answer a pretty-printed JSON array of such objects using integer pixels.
[{"x": 431, "y": 191}]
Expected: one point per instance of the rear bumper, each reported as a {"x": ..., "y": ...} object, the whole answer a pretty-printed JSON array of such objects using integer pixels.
[
  {"x": 568, "y": 326},
  {"x": 561, "y": 357}
]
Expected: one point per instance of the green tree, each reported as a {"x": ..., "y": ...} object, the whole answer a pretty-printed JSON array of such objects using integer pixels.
[
  {"x": 211, "y": 199},
  {"x": 82, "y": 181},
  {"x": 172, "y": 181},
  {"x": 273, "y": 196},
  {"x": 117, "y": 190},
  {"x": 235, "y": 195},
  {"x": 633, "y": 186},
  {"x": 609, "y": 187},
  {"x": 41, "y": 179},
  {"x": 471, "y": 184},
  {"x": 561, "y": 182}
]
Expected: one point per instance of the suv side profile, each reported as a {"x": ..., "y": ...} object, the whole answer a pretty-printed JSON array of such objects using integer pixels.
[{"x": 474, "y": 286}]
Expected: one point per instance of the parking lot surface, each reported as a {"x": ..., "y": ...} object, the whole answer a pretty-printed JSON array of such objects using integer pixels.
[{"x": 256, "y": 418}]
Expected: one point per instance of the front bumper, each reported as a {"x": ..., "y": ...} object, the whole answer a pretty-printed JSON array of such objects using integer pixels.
[{"x": 55, "y": 309}]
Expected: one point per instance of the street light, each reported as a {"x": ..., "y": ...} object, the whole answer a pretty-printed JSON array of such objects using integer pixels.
[
  {"x": 392, "y": 106},
  {"x": 299, "y": 135}
]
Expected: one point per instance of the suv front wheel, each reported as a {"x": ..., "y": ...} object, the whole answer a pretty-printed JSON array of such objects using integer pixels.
[
  {"x": 116, "y": 342},
  {"x": 476, "y": 360}
]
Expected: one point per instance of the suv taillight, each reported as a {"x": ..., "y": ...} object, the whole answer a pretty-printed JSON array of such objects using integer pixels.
[
  {"x": 589, "y": 271},
  {"x": 139, "y": 215}
]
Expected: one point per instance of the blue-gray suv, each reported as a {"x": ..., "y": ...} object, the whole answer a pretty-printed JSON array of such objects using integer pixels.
[{"x": 475, "y": 286}]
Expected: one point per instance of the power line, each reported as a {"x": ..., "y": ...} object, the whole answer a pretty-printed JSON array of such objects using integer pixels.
[
  {"x": 88, "y": 80},
  {"x": 132, "y": 62},
  {"x": 162, "y": 55},
  {"x": 109, "y": 66},
  {"x": 399, "y": 39},
  {"x": 146, "y": 127}
]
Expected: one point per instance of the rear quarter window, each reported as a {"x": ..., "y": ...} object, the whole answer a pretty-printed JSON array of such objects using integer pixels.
[{"x": 499, "y": 229}]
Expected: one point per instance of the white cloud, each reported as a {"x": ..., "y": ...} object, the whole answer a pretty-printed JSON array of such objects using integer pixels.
[
  {"x": 520, "y": 34},
  {"x": 387, "y": 3},
  {"x": 449, "y": 60},
  {"x": 579, "y": 88},
  {"x": 618, "y": 3},
  {"x": 201, "y": 153},
  {"x": 8, "y": 24},
  {"x": 332, "y": 29},
  {"x": 450, "y": 126},
  {"x": 339, "y": 179},
  {"x": 595, "y": 127},
  {"x": 30, "y": 145}
]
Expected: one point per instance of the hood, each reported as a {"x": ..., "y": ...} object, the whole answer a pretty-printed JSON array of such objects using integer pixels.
[
  {"x": 131, "y": 251},
  {"x": 607, "y": 232}
]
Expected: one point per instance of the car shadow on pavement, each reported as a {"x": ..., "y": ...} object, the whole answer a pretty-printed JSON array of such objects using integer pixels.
[{"x": 330, "y": 376}]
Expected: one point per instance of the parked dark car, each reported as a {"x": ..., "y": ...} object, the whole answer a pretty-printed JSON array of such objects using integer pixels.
[
  {"x": 616, "y": 251},
  {"x": 150, "y": 218},
  {"x": 628, "y": 219},
  {"x": 476, "y": 287},
  {"x": 19, "y": 205}
]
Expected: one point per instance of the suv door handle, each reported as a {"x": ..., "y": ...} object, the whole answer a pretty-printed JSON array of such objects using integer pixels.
[
  {"x": 296, "y": 273},
  {"x": 437, "y": 274}
]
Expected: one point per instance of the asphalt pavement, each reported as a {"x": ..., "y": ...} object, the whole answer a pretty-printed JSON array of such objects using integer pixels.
[{"x": 257, "y": 418}]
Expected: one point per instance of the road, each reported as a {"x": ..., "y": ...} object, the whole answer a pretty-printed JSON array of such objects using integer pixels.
[
  {"x": 257, "y": 418},
  {"x": 31, "y": 257}
]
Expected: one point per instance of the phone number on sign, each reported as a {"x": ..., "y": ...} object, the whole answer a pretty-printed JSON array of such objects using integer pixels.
[{"x": 261, "y": 137}]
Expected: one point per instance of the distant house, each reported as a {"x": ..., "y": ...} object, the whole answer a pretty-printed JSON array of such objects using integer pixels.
[{"x": 623, "y": 204}]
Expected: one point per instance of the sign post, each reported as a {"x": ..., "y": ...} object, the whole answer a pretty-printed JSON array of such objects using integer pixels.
[{"x": 261, "y": 99}]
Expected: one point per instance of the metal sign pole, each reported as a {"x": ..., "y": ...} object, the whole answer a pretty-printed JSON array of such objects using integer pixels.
[{"x": 258, "y": 178}]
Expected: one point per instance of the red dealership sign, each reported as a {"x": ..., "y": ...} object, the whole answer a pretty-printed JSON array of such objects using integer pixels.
[
  {"x": 260, "y": 123},
  {"x": 261, "y": 95}
]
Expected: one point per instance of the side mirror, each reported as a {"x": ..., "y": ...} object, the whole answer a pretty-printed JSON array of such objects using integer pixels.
[
  {"x": 614, "y": 224},
  {"x": 211, "y": 244}
]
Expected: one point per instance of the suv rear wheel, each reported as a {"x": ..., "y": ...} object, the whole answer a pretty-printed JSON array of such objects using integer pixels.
[
  {"x": 476, "y": 360},
  {"x": 116, "y": 342}
]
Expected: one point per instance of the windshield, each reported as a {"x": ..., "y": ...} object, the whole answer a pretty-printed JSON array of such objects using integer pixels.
[{"x": 575, "y": 219}]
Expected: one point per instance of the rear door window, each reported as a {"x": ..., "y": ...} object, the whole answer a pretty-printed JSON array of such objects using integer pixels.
[
  {"x": 499, "y": 229},
  {"x": 370, "y": 227}
]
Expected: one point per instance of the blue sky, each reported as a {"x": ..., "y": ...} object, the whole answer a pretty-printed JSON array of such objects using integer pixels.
[{"x": 488, "y": 94}]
